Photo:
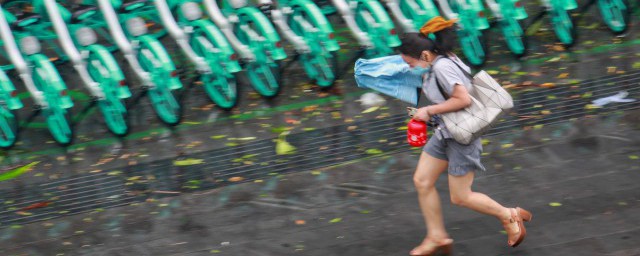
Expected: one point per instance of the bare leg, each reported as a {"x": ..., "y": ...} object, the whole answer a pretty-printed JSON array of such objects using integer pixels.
[
  {"x": 427, "y": 173},
  {"x": 461, "y": 194}
]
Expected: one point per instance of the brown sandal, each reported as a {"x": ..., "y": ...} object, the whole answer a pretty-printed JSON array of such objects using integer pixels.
[
  {"x": 442, "y": 248},
  {"x": 518, "y": 215}
]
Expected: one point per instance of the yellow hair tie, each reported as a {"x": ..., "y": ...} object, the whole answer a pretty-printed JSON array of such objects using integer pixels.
[{"x": 436, "y": 24}]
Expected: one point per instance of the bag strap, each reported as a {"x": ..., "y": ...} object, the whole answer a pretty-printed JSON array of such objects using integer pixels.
[
  {"x": 463, "y": 70},
  {"x": 440, "y": 88}
]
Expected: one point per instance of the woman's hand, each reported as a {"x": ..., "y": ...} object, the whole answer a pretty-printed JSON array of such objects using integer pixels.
[{"x": 422, "y": 114}]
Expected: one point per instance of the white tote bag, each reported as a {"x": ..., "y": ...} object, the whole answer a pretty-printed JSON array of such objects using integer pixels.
[{"x": 488, "y": 101}]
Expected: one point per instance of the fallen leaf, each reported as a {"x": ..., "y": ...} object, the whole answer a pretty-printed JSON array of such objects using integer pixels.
[
  {"x": 373, "y": 151},
  {"x": 371, "y": 109},
  {"x": 16, "y": 172},
  {"x": 236, "y": 179},
  {"x": 611, "y": 70},
  {"x": 336, "y": 220},
  {"x": 508, "y": 145},
  {"x": 547, "y": 85},
  {"x": 555, "y": 204},
  {"x": 188, "y": 161},
  {"x": 563, "y": 75},
  {"x": 634, "y": 157},
  {"x": 300, "y": 222},
  {"x": 36, "y": 205},
  {"x": 283, "y": 147},
  {"x": 243, "y": 139},
  {"x": 591, "y": 106}
]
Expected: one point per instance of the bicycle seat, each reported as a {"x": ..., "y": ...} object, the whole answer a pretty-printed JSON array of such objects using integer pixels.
[
  {"x": 131, "y": 5},
  {"x": 25, "y": 19},
  {"x": 82, "y": 11}
]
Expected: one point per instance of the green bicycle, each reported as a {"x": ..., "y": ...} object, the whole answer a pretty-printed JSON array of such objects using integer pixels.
[
  {"x": 509, "y": 15},
  {"x": 9, "y": 102},
  {"x": 561, "y": 19},
  {"x": 254, "y": 38},
  {"x": 147, "y": 57},
  {"x": 371, "y": 26},
  {"x": 615, "y": 13},
  {"x": 472, "y": 22},
  {"x": 412, "y": 14},
  {"x": 97, "y": 68},
  {"x": 205, "y": 46},
  {"x": 303, "y": 24},
  {"x": 39, "y": 75}
]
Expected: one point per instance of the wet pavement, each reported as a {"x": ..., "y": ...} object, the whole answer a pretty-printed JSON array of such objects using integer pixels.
[
  {"x": 216, "y": 185},
  {"x": 579, "y": 178}
]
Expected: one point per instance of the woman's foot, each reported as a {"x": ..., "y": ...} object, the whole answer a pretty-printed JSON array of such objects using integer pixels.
[
  {"x": 431, "y": 247},
  {"x": 514, "y": 225}
]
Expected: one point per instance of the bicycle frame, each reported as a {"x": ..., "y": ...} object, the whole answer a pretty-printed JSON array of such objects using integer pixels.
[
  {"x": 254, "y": 38},
  {"x": 8, "y": 103},
  {"x": 561, "y": 19},
  {"x": 302, "y": 23},
  {"x": 145, "y": 54},
  {"x": 616, "y": 14},
  {"x": 509, "y": 13},
  {"x": 205, "y": 46},
  {"x": 472, "y": 21},
  {"x": 40, "y": 77},
  {"x": 370, "y": 24},
  {"x": 98, "y": 70},
  {"x": 412, "y": 14}
]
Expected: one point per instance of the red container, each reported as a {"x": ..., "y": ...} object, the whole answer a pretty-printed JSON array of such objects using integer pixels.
[{"x": 417, "y": 133}]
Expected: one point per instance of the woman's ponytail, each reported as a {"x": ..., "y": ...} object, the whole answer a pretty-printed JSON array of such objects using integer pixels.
[
  {"x": 445, "y": 41},
  {"x": 444, "y": 32}
]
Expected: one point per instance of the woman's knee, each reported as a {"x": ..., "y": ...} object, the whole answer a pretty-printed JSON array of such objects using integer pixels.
[
  {"x": 460, "y": 198},
  {"x": 421, "y": 182}
]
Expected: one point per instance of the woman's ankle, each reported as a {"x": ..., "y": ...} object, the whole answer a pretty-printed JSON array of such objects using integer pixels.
[{"x": 505, "y": 214}]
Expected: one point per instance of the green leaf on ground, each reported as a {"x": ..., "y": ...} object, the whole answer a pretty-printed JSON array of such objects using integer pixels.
[
  {"x": 336, "y": 220},
  {"x": 16, "y": 172},
  {"x": 187, "y": 162},
  {"x": 373, "y": 151},
  {"x": 555, "y": 204}
]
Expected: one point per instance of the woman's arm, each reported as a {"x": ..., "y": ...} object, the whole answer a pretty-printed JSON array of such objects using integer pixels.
[{"x": 459, "y": 99}]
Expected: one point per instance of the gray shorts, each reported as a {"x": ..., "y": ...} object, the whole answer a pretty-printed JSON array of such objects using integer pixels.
[{"x": 462, "y": 158}]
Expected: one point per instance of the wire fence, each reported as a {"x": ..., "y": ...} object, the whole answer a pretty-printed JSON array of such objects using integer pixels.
[{"x": 316, "y": 149}]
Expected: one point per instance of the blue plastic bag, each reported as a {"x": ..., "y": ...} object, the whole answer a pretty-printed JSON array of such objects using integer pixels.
[{"x": 391, "y": 76}]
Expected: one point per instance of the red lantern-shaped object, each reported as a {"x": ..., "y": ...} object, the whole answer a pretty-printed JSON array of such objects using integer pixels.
[{"x": 417, "y": 133}]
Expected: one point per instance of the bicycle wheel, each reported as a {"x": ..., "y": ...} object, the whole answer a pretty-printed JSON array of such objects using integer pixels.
[
  {"x": 58, "y": 121},
  {"x": 263, "y": 73},
  {"x": 113, "y": 109},
  {"x": 474, "y": 47},
  {"x": 8, "y": 127},
  {"x": 363, "y": 18},
  {"x": 564, "y": 27},
  {"x": 616, "y": 14},
  {"x": 162, "y": 99},
  {"x": 57, "y": 118},
  {"x": 220, "y": 86},
  {"x": 318, "y": 68},
  {"x": 264, "y": 78},
  {"x": 514, "y": 37},
  {"x": 315, "y": 63}
]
